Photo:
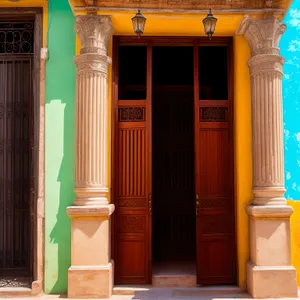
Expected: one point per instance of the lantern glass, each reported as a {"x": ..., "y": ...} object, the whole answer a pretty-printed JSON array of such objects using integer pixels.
[
  {"x": 209, "y": 23},
  {"x": 138, "y": 22}
]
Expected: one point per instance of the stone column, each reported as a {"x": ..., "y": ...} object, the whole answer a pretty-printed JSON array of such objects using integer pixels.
[
  {"x": 269, "y": 271},
  {"x": 91, "y": 271}
]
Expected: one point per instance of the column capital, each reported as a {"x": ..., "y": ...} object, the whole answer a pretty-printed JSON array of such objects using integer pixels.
[
  {"x": 92, "y": 63},
  {"x": 263, "y": 35},
  {"x": 269, "y": 63},
  {"x": 94, "y": 32}
]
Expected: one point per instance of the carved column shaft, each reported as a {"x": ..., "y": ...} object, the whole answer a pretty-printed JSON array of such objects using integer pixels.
[
  {"x": 265, "y": 67},
  {"x": 92, "y": 110},
  {"x": 267, "y": 129}
]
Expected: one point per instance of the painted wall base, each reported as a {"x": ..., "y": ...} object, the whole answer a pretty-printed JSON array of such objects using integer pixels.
[{"x": 272, "y": 282}]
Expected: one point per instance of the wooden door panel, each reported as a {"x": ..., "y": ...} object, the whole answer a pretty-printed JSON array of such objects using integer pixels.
[
  {"x": 214, "y": 163},
  {"x": 215, "y": 214},
  {"x": 215, "y": 232},
  {"x": 214, "y": 253},
  {"x": 132, "y": 251},
  {"x": 132, "y": 200},
  {"x": 132, "y": 179}
]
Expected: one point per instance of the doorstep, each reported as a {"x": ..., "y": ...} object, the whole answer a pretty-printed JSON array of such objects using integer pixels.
[
  {"x": 21, "y": 291},
  {"x": 179, "y": 292},
  {"x": 15, "y": 292}
]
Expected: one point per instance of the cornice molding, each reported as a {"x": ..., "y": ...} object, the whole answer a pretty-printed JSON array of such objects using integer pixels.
[{"x": 180, "y": 4}]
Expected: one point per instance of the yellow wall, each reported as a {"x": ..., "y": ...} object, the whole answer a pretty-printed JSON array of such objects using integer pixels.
[
  {"x": 295, "y": 236},
  {"x": 243, "y": 155}
]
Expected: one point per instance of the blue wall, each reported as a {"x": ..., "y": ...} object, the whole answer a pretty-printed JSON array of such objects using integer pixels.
[{"x": 290, "y": 50}]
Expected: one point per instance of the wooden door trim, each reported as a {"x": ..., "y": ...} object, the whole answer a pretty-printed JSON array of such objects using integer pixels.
[
  {"x": 114, "y": 118},
  {"x": 196, "y": 144},
  {"x": 232, "y": 146},
  {"x": 38, "y": 81},
  {"x": 149, "y": 151},
  {"x": 172, "y": 41}
]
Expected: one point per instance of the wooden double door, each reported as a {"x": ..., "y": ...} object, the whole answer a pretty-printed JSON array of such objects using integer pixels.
[{"x": 177, "y": 106}]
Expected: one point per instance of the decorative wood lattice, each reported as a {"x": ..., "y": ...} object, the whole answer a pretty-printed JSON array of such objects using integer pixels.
[
  {"x": 214, "y": 114},
  {"x": 16, "y": 37},
  {"x": 132, "y": 224},
  {"x": 131, "y": 163},
  {"x": 213, "y": 203},
  {"x": 132, "y": 114},
  {"x": 132, "y": 202}
]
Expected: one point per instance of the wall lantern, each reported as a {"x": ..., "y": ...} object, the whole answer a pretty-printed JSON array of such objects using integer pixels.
[
  {"x": 209, "y": 23},
  {"x": 138, "y": 22}
]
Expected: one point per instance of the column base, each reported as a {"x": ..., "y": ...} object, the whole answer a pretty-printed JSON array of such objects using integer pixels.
[
  {"x": 271, "y": 282},
  {"x": 90, "y": 282},
  {"x": 91, "y": 271}
]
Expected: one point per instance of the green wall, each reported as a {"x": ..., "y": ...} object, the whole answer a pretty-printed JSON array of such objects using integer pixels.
[{"x": 59, "y": 132}]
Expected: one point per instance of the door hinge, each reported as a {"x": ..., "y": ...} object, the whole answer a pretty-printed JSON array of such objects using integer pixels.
[
  {"x": 150, "y": 203},
  {"x": 197, "y": 204}
]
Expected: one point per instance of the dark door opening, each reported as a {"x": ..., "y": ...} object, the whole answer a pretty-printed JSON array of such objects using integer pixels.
[
  {"x": 16, "y": 164},
  {"x": 173, "y": 223}
]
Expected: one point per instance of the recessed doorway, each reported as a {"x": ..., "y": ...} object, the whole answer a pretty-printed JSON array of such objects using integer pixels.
[
  {"x": 172, "y": 160},
  {"x": 174, "y": 219},
  {"x": 20, "y": 40}
]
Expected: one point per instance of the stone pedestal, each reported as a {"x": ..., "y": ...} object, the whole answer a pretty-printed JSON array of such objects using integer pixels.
[
  {"x": 91, "y": 271},
  {"x": 269, "y": 271}
]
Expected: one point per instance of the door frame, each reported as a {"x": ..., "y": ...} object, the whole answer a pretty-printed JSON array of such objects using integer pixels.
[
  {"x": 37, "y": 142},
  {"x": 171, "y": 41}
]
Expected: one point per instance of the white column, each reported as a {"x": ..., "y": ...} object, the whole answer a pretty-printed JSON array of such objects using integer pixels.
[
  {"x": 91, "y": 271},
  {"x": 269, "y": 271}
]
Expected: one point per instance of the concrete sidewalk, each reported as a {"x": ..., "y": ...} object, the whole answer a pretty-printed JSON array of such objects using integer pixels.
[{"x": 153, "y": 293}]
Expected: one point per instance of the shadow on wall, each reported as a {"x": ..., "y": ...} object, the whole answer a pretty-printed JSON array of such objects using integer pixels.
[
  {"x": 290, "y": 50},
  {"x": 60, "y": 125}
]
